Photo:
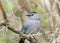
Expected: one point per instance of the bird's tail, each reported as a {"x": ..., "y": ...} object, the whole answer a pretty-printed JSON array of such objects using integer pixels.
[{"x": 21, "y": 40}]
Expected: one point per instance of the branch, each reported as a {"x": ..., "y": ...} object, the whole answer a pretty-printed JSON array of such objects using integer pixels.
[
  {"x": 6, "y": 23},
  {"x": 3, "y": 11},
  {"x": 5, "y": 18}
]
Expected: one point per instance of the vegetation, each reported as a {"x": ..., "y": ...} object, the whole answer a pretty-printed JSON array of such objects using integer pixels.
[{"x": 12, "y": 16}]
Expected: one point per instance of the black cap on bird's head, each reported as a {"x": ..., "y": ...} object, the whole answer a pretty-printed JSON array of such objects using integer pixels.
[{"x": 33, "y": 15}]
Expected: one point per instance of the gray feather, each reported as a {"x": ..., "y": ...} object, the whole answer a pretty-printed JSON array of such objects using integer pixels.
[{"x": 32, "y": 25}]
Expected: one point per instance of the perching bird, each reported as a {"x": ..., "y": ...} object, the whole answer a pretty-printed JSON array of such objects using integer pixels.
[{"x": 31, "y": 26}]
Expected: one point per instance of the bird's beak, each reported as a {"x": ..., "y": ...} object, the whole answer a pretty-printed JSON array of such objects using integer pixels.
[{"x": 28, "y": 15}]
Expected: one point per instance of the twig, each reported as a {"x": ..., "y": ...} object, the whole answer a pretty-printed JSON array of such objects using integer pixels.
[
  {"x": 10, "y": 16},
  {"x": 5, "y": 23}
]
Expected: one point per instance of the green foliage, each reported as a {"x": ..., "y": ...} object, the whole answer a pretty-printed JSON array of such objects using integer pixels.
[
  {"x": 8, "y": 5},
  {"x": 17, "y": 14},
  {"x": 45, "y": 22},
  {"x": 8, "y": 40},
  {"x": 38, "y": 9},
  {"x": 9, "y": 36},
  {"x": 1, "y": 40},
  {"x": 1, "y": 37}
]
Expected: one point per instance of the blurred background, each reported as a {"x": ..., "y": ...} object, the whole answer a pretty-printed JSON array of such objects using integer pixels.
[{"x": 14, "y": 11}]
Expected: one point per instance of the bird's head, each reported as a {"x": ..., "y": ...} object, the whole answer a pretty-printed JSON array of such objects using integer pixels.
[{"x": 33, "y": 16}]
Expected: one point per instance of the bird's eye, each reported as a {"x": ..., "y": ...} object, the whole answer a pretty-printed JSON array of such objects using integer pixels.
[{"x": 32, "y": 14}]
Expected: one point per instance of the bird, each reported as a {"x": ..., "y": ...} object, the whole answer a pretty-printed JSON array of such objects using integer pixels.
[{"x": 31, "y": 25}]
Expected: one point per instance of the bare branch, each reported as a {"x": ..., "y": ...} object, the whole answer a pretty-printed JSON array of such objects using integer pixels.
[
  {"x": 5, "y": 18},
  {"x": 3, "y": 11}
]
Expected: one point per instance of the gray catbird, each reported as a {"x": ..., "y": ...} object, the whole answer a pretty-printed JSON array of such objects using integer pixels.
[{"x": 31, "y": 26}]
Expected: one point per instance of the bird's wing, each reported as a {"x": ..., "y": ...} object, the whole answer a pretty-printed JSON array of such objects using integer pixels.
[
  {"x": 33, "y": 28},
  {"x": 25, "y": 26}
]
